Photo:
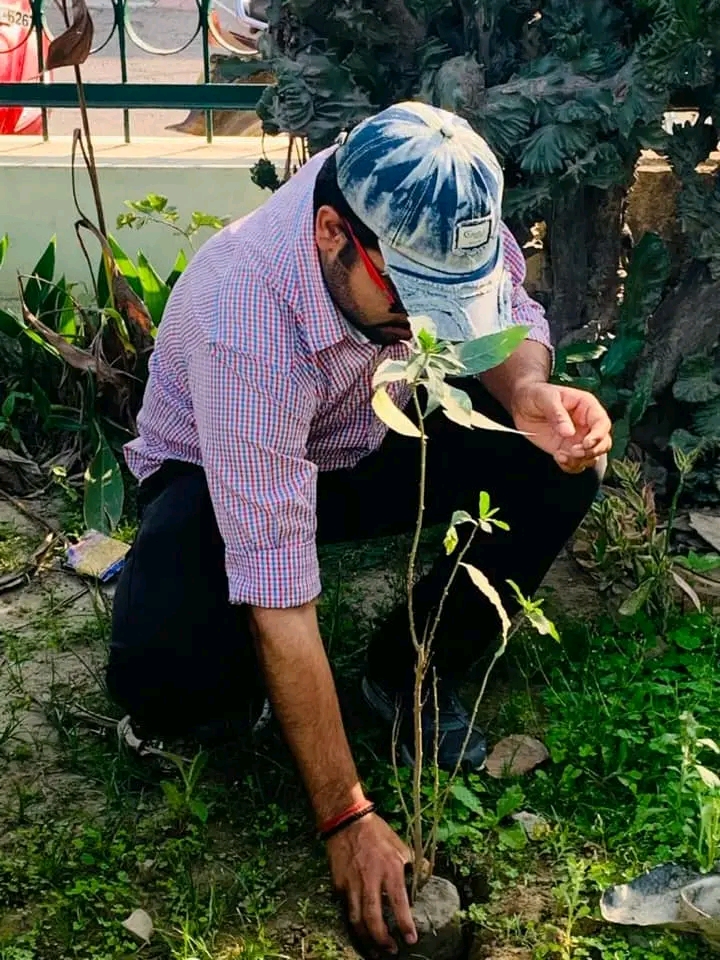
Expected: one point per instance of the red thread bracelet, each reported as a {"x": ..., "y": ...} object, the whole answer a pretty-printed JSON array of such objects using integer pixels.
[{"x": 357, "y": 810}]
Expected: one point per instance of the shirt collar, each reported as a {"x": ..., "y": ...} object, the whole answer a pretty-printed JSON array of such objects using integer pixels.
[{"x": 323, "y": 322}]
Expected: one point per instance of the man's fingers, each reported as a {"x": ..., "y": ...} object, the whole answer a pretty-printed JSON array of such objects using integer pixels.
[
  {"x": 559, "y": 413},
  {"x": 373, "y": 919},
  {"x": 579, "y": 451},
  {"x": 397, "y": 895},
  {"x": 574, "y": 464},
  {"x": 599, "y": 426}
]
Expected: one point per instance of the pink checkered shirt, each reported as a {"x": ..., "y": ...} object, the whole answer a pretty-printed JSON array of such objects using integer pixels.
[{"x": 258, "y": 378}]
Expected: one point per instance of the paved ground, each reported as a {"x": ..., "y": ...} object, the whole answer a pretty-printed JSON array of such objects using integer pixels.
[{"x": 165, "y": 25}]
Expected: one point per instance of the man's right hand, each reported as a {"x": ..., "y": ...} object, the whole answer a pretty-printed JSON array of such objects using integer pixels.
[{"x": 366, "y": 860}]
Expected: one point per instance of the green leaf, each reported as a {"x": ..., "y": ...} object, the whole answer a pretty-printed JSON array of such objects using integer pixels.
[
  {"x": 706, "y": 420},
  {"x": 461, "y": 516},
  {"x": 179, "y": 267},
  {"x": 636, "y": 601},
  {"x": 621, "y": 353},
  {"x": 467, "y": 798},
  {"x": 687, "y": 639},
  {"x": 155, "y": 292},
  {"x": 10, "y": 325},
  {"x": 152, "y": 203},
  {"x": 620, "y": 437},
  {"x": 512, "y": 838},
  {"x": 4, "y": 246},
  {"x": 699, "y": 562},
  {"x": 200, "y": 220},
  {"x": 104, "y": 491},
  {"x": 450, "y": 540},
  {"x": 542, "y": 623},
  {"x": 126, "y": 267},
  {"x": 646, "y": 280},
  {"x": 552, "y": 145},
  {"x": 642, "y": 397},
  {"x": 391, "y": 415},
  {"x": 41, "y": 401},
  {"x": 484, "y": 504},
  {"x": 67, "y": 318},
  {"x": 172, "y": 794},
  {"x": 695, "y": 383},
  {"x": 510, "y": 801},
  {"x": 199, "y": 810},
  {"x": 38, "y": 286},
  {"x": 685, "y": 441},
  {"x": 578, "y": 353},
  {"x": 487, "y": 352},
  {"x": 457, "y": 405}
]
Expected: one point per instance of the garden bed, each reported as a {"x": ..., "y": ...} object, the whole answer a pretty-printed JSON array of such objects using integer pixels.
[{"x": 90, "y": 834}]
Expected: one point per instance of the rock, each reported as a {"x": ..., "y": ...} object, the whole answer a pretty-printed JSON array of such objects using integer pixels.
[
  {"x": 436, "y": 913},
  {"x": 708, "y": 527},
  {"x": 515, "y": 755},
  {"x": 140, "y": 925},
  {"x": 535, "y": 827}
]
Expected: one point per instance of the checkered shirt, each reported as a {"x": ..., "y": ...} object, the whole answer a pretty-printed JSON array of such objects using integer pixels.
[{"x": 258, "y": 378}]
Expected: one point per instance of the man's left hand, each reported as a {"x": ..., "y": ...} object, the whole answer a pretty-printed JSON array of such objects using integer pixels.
[{"x": 571, "y": 425}]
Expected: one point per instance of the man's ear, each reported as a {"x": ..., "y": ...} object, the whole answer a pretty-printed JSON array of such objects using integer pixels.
[{"x": 330, "y": 235}]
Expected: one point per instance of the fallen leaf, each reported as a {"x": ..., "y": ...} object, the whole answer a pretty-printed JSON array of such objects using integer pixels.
[
  {"x": 18, "y": 474},
  {"x": 707, "y": 526},
  {"x": 140, "y": 925},
  {"x": 72, "y": 47},
  {"x": 74, "y": 356},
  {"x": 515, "y": 755}
]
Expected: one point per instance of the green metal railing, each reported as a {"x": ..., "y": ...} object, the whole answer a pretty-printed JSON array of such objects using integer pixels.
[{"x": 126, "y": 96}]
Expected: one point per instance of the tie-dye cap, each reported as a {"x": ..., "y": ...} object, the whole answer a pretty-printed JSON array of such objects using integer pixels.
[{"x": 431, "y": 189}]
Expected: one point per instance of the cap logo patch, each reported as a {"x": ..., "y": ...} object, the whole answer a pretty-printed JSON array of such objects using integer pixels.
[{"x": 470, "y": 234}]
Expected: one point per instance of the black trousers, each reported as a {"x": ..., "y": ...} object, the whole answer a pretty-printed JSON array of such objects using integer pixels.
[{"x": 182, "y": 655}]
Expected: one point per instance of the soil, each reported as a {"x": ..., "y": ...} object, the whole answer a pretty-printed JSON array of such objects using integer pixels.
[{"x": 51, "y": 657}]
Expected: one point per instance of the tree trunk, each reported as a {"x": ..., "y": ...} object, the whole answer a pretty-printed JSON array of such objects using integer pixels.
[
  {"x": 567, "y": 247},
  {"x": 604, "y": 241},
  {"x": 686, "y": 322},
  {"x": 584, "y": 238}
]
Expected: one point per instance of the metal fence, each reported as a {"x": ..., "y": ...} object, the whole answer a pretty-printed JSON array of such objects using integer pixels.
[{"x": 123, "y": 94}]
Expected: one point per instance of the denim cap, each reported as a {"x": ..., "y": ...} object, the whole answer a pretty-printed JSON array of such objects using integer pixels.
[{"x": 431, "y": 188}]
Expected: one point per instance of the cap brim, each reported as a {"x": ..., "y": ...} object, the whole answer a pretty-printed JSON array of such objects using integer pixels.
[{"x": 461, "y": 309}]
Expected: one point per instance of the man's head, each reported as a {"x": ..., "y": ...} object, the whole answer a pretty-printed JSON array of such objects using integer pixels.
[{"x": 407, "y": 221}]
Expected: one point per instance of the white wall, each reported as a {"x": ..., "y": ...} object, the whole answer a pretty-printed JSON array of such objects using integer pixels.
[{"x": 36, "y": 197}]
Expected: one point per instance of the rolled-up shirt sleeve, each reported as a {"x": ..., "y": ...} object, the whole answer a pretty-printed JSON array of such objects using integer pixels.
[
  {"x": 253, "y": 421},
  {"x": 525, "y": 311}
]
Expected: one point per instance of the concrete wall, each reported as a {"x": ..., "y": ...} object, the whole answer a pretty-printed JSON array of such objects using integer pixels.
[{"x": 36, "y": 196}]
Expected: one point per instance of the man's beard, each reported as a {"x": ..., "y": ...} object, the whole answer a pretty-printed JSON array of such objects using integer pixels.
[{"x": 338, "y": 284}]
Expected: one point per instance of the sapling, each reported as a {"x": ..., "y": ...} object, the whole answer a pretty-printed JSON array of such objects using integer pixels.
[{"x": 430, "y": 361}]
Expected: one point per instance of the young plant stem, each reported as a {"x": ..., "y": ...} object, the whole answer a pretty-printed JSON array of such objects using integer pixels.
[
  {"x": 421, "y": 663},
  {"x": 412, "y": 560},
  {"x": 441, "y": 803}
]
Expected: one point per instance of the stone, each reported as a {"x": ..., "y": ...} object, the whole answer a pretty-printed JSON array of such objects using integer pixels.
[
  {"x": 515, "y": 755},
  {"x": 436, "y": 912},
  {"x": 707, "y": 526}
]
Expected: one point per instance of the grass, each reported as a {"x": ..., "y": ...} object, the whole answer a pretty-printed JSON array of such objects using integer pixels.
[{"x": 226, "y": 863}]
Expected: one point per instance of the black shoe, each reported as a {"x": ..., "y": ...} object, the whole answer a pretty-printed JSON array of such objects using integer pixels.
[{"x": 454, "y": 723}]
